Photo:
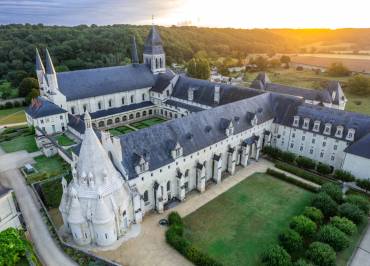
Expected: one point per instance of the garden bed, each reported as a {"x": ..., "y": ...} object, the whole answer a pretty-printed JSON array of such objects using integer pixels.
[{"x": 148, "y": 122}]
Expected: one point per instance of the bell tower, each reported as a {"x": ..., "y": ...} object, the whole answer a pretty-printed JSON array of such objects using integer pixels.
[{"x": 154, "y": 56}]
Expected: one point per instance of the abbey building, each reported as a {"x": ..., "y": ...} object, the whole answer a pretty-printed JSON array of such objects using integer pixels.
[{"x": 212, "y": 129}]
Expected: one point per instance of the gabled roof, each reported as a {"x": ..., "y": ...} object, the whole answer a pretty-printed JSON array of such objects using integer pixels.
[
  {"x": 162, "y": 81},
  {"x": 361, "y": 147},
  {"x": 153, "y": 43},
  {"x": 41, "y": 107},
  {"x": 189, "y": 107},
  {"x": 334, "y": 86},
  {"x": 103, "y": 81}
]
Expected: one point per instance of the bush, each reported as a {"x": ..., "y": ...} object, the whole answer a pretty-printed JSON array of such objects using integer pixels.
[
  {"x": 324, "y": 169},
  {"x": 302, "y": 262},
  {"x": 321, "y": 254},
  {"x": 334, "y": 191},
  {"x": 363, "y": 183},
  {"x": 331, "y": 235},
  {"x": 291, "y": 180},
  {"x": 325, "y": 203},
  {"x": 8, "y": 105},
  {"x": 288, "y": 157},
  {"x": 291, "y": 241},
  {"x": 176, "y": 241},
  {"x": 305, "y": 163},
  {"x": 17, "y": 104},
  {"x": 276, "y": 256},
  {"x": 343, "y": 224},
  {"x": 343, "y": 176},
  {"x": 274, "y": 153},
  {"x": 174, "y": 218},
  {"x": 352, "y": 212},
  {"x": 338, "y": 70},
  {"x": 314, "y": 214},
  {"x": 360, "y": 202},
  {"x": 303, "y": 225},
  {"x": 301, "y": 173},
  {"x": 199, "y": 258}
]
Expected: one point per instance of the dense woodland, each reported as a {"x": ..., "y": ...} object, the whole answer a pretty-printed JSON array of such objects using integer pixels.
[{"x": 96, "y": 46}]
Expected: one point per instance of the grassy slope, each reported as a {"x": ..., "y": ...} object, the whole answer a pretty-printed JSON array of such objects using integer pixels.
[
  {"x": 239, "y": 224},
  {"x": 13, "y": 115}
]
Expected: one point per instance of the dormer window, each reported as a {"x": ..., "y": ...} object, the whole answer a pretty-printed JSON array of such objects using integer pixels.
[
  {"x": 142, "y": 166},
  {"x": 306, "y": 123},
  {"x": 351, "y": 134},
  {"x": 254, "y": 120},
  {"x": 191, "y": 94},
  {"x": 110, "y": 103},
  {"x": 177, "y": 151},
  {"x": 316, "y": 126},
  {"x": 230, "y": 129},
  {"x": 339, "y": 132},
  {"x": 327, "y": 129},
  {"x": 296, "y": 121}
]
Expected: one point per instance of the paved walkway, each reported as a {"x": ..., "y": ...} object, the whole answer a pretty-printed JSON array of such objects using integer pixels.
[
  {"x": 150, "y": 248},
  {"x": 362, "y": 256}
]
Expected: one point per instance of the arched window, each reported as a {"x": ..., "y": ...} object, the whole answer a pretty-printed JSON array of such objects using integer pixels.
[
  {"x": 156, "y": 63},
  {"x": 138, "y": 115},
  {"x": 109, "y": 122},
  {"x": 171, "y": 115},
  {"x": 73, "y": 110},
  {"x": 160, "y": 62},
  {"x": 131, "y": 116},
  {"x": 123, "y": 100},
  {"x": 144, "y": 113},
  {"x": 93, "y": 125},
  {"x": 124, "y": 118},
  {"x": 132, "y": 98},
  {"x": 168, "y": 93},
  {"x": 116, "y": 120},
  {"x": 110, "y": 103},
  {"x": 143, "y": 96},
  {"x": 150, "y": 111},
  {"x": 84, "y": 107},
  {"x": 168, "y": 186},
  {"x": 101, "y": 124},
  {"x": 146, "y": 196}
]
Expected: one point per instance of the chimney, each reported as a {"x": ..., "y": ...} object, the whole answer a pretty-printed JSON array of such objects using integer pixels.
[{"x": 216, "y": 95}]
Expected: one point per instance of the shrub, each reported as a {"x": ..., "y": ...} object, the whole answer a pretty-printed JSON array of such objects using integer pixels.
[
  {"x": 199, "y": 258},
  {"x": 301, "y": 173},
  {"x": 352, "y": 212},
  {"x": 321, "y": 254},
  {"x": 291, "y": 241},
  {"x": 274, "y": 153},
  {"x": 288, "y": 157},
  {"x": 8, "y": 105},
  {"x": 176, "y": 241},
  {"x": 363, "y": 183},
  {"x": 303, "y": 225},
  {"x": 334, "y": 191},
  {"x": 324, "y": 169},
  {"x": 343, "y": 224},
  {"x": 360, "y": 202},
  {"x": 174, "y": 218},
  {"x": 325, "y": 203},
  {"x": 302, "y": 262},
  {"x": 305, "y": 163},
  {"x": 276, "y": 256},
  {"x": 314, "y": 214},
  {"x": 331, "y": 235},
  {"x": 17, "y": 104},
  {"x": 343, "y": 176},
  {"x": 292, "y": 180}
]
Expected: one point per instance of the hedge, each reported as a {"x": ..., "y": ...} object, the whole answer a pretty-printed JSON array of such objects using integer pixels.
[
  {"x": 334, "y": 237},
  {"x": 326, "y": 204},
  {"x": 175, "y": 238},
  {"x": 352, "y": 212},
  {"x": 291, "y": 180},
  {"x": 334, "y": 191},
  {"x": 302, "y": 173},
  {"x": 343, "y": 224},
  {"x": 324, "y": 169},
  {"x": 321, "y": 254},
  {"x": 305, "y": 162}
]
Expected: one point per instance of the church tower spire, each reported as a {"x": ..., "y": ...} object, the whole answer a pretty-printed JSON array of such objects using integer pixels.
[
  {"x": 154, "y": 55},
  {"x": 51, "y": 75},
  {"x": 134, "y": 56},
  {"x": 40, "y": 69}
]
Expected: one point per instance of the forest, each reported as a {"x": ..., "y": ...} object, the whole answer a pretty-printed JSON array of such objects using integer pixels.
[{"x": 93, "y": 46}]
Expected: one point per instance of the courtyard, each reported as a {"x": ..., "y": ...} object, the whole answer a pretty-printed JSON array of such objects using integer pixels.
[
  {"x": 237, "y": 226},
  {"x": 118, "y": 131}
]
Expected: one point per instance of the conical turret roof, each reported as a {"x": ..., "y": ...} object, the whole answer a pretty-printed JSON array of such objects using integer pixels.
[
  {"x": 102, "y": 214},
  {"x": 75, "y": 212}
]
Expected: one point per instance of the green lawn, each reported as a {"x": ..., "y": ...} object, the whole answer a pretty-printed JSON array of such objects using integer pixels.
[
  {"x": 13, "y": 115},
  {"x": 48, "y": 167},
  {"x": 120, "y": 130},
  {"x": 27, "y": 143},
  {"x": 63, "y": 140},
  {"x": 148, "y": 122},
  {"x": 237, "y": 226}
]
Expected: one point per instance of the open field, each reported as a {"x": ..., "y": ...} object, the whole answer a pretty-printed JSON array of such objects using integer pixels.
[
  {"x": 238, "y": 225},
  {"x": 13, "y": 115}
]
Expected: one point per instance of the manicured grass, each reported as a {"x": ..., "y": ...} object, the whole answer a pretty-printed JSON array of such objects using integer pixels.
[
  {"x": 237, "y": 226},
  {"x": 120, "y": 130},
  {"x": 148, "y": 122},
  {"x": 63, "y": 140},
  {"x": 13, "y": 115},
  {"x": 47, "y": 167},
  {"x": 27, "y": 143}
]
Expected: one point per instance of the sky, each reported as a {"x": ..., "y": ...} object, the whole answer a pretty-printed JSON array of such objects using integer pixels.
[{"x": 205, "y": 13}]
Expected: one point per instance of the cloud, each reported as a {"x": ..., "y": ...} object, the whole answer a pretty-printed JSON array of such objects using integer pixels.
[{"x": 74, "y": 12}]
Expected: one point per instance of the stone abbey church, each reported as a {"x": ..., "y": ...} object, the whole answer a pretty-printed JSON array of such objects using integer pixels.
[{"x": 212, "y": 128}]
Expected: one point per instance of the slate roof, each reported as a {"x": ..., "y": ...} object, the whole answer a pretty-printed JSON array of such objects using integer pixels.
[
  {"x": 162, "y": 81},
  {"x": 361, "y": 147},
  {"x": 103, "y": 81},
  {"x": 41, "y": 107},
  {"x": 204, "y": 91},
  {"x": 189, "y": 107},
  {"x": 77, "y": 123},
  {"x": 118, "y": 110},
  {"x": 193, "y": 132},
  {"x": 153, "y": 43},
  {"x": 334, "y": 86}
]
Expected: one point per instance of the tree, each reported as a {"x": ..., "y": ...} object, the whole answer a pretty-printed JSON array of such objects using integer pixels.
[
  {"x": 364, "y": 184},
  {"x": 291, "y": 241},
  {"x": 338, "y": 70},
  {"x": 284, "y": 59},
  {"x": 32, "y": 95},
  {"x": 26, "y": 86},
  {"x": 352, "y": 212},
  {"x": 303, "y": 225},
  {"x": 325, "y": 203},
  {"x": 174, "y": 218},
  {"x": 13, "y": 246},
  {"x": 331, "y": 235},
  {"x": 260, "y": 62},
  {"x": 359, "y": 201},
  {"x": 343, "y": 224},
  {"x": 359, "y": 85},
  {"x": 321, "y": 254},
  {"x": 343, "y": 176},
  {"x": 276, "y": 256},
  {"x": 302, "y": 262},
  {"x": 314, "y": 214},
  {"x": 334, "y": 191},
  {"x": 199, "y": 68}
]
